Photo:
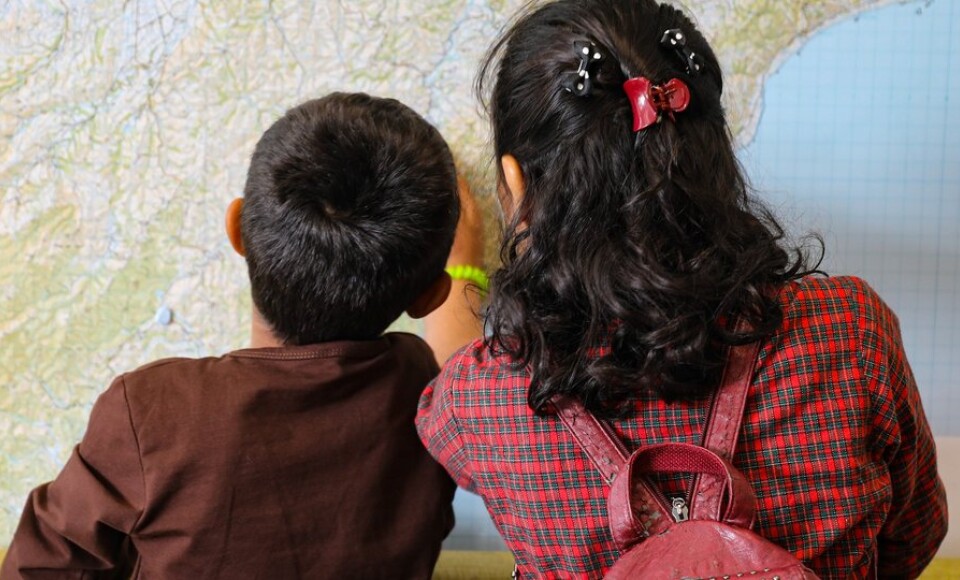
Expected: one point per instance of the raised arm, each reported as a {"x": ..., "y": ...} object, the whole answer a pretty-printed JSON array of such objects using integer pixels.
[{"x": 457, "y": 322}]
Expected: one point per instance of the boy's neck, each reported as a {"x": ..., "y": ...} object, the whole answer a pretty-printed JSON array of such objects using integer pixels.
[{"x": 261, "y": 333}]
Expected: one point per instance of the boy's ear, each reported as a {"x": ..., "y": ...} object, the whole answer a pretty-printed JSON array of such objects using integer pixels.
[
  {"x": 233, "y": 225},
  {"x": 431, "y": 298},
  {"x": 513, "y": 182}
]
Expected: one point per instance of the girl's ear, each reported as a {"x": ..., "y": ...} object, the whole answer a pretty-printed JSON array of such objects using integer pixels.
[
  {"x": 233, "y": 225},
  {"x": 513, "y": 184}
]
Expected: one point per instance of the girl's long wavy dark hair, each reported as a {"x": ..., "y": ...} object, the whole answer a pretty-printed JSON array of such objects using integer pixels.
[{"x": 648, "y": 243}]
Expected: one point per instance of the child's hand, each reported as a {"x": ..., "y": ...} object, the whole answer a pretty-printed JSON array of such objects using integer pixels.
[{"x": 467, "y": 247}]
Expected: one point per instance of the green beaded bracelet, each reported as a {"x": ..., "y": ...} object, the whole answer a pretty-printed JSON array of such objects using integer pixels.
[{"x": 470, "y": 274}]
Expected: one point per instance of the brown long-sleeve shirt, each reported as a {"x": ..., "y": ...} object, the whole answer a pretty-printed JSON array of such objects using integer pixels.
[{"x": 297, "y": 462}]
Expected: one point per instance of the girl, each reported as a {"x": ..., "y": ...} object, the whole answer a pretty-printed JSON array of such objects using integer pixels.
[{"x": 632, "y": 242}]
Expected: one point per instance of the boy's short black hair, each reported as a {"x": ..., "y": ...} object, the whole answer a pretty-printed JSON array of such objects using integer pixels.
[{"x": 349, "y": 212}]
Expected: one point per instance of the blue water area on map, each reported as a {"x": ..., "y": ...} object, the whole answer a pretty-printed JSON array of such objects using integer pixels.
[{"x": 860, "y": 140}]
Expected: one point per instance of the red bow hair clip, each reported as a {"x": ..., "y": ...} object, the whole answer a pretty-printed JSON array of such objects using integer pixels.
[{"x": 650, "y": 101}]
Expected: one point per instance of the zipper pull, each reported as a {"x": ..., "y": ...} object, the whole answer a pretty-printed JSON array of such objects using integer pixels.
[{"x": 680, "y": 511}]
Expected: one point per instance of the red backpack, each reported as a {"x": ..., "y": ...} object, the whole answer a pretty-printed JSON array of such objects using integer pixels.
[{"x": 707, "y": 535}]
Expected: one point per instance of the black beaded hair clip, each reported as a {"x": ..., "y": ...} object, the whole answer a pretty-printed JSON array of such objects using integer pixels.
[
  {"x": 675, "y": 39},
  {"x": 580, "y": 83}
]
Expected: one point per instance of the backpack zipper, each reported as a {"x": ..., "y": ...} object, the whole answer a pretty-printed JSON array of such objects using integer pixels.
[{"x": 680, "y": 511}]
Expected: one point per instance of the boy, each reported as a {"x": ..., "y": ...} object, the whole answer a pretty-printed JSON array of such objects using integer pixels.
[{"x": 298, "y": 457}]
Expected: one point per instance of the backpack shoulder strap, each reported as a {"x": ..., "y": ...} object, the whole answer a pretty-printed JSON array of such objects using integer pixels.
[
  {"x": 611, "y": 459},
  {"x": 726, "y": 413},
  {"x": 720, "y": 435},
  {"x": 723, "y": 427},
  {"x": 609, "y": 455},
  {"x": 604, "y": 449}
]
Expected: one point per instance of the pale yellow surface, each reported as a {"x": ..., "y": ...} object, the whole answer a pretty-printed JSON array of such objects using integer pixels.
[{"x": 125, "y": 128}]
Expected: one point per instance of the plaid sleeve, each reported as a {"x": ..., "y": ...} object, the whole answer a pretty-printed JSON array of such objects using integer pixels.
[
  {"x": 917, "y": 521},
  {"x": 437, "y": 424}
]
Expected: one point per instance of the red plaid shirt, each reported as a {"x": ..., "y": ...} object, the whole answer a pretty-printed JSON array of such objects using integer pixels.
[{"x": 834, "y": 441}]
